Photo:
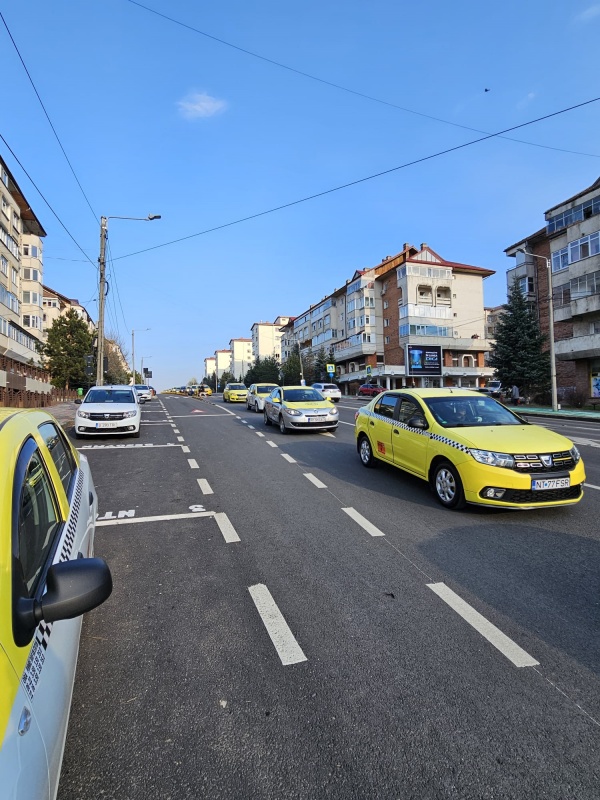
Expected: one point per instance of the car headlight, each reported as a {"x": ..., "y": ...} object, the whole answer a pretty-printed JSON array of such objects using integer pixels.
[
  {"x": 575, "y": 454},
  {"x": 84, "y": 414},
  {"x": 333, "y": 411},
  {"x": 129, "y": 414},
  {"x": 493, "y": 459},
  {"x": 293, "y": 412}
]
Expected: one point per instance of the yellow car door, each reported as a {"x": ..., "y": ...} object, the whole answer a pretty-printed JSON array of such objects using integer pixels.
[
  {"x": 381, "y": 427},
  {"x": 410, "y": 440}
]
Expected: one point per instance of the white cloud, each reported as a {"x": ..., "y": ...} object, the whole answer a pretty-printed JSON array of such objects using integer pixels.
[
  {"x": 529, "y": 98},
  {"x": 200, "y": 104},
  {"x": 588, "y": 14}
]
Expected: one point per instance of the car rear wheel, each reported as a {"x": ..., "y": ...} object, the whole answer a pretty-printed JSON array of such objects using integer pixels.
[
  {"x": 365, "y": 452},
  {"x": 448, "y": 486},
  {"x": 266, "y": 417},
  {"x": 282, "y": 427}
]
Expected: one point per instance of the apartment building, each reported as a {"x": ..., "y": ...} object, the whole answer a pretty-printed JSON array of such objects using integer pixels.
[
  {"x": 564, "y": 257},
  {"x": 266, "y": 338},
  {"x": 222, "y": 362},
  {"x": 55, "y": 304},
  {"x": 209, "y": 367},
  {"x": 20, "y": 292},
  {"x": 241, "y": 357}
]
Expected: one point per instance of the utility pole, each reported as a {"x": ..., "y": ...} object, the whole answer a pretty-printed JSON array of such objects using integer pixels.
[{"x": 102, "y": 293}]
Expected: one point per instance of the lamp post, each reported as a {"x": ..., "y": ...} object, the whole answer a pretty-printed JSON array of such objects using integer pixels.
[
  {"x": 137, "y": 330},
  {"x": 550, "y": 327},
  {"x": 142, "y": 367},
  {"x": 102, "y": 289}
]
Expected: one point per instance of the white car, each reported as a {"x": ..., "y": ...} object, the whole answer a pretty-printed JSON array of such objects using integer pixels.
[
  {"x": 49, "y": 578},
  {"x": 329, "y": 390},
  {"x": 144, "y": 392},
  {"x": 113, "y": 410}
]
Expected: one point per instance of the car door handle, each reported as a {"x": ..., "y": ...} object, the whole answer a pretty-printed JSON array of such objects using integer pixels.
[
  {"x": 396, "y": 433},
  {"x": 372, "y": 424},
  {"x": 91, "y": 497},
  {"x": 24, "y": 721}
]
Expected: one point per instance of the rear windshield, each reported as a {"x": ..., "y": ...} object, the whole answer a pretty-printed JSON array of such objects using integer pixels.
[
  {"x": 265, "y": 389},
  {"x": 330, "y": 386},
  {"x": 302, "y": 395},
  {"x": 110, "y": 396}
]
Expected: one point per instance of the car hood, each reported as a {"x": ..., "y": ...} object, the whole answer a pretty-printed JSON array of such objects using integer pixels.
[
  {"x": 316, "y": 404},
  {"x": 108, "y": 408},
  {"x": 510, "y": 438}
]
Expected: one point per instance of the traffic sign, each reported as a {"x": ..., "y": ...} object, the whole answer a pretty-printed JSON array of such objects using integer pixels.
[
  {"x": 331, "y": 368},
  {"x": 368, "y": 369}
]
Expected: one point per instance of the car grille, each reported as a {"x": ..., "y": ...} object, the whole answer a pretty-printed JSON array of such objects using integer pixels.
[
  {"x": 546, "y": 462},
  {"x": 107, "y": 417},
  {"x": 544, "y": 496}
]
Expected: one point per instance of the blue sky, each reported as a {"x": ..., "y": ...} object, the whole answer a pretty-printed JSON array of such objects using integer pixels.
[{"x": 157, "y": 118}]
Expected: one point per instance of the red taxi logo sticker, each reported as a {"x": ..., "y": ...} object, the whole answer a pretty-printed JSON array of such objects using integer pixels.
[{"x": 381, "y": 447}]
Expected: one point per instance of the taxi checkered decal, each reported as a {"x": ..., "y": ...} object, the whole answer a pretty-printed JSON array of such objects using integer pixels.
[
  {"x": 436, "y": 437},
  {"x": 37, "y": 654}
]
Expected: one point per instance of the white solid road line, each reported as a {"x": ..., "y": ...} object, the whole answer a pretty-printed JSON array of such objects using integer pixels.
[
  {"x": 271, "y": 444},
  {"x": 160, "y": 518},
  {"x": 193, "y": 463},
  {"x": 494, "y": 635},
  {"x": 226, "y": 528},
  {"x": 319, "y": 484},
  {"x": 288, "y": 649},
  {"x": 204, "y": 486},
  {"x": 124, "y": 446},
  {"x": 364, "y": 523},
  {"x": 591, "y": 486},
  {"x": 289, "y": 458}
]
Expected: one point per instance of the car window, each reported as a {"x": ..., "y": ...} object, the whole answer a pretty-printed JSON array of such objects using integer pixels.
[
  {"x": 457, "y": 411},
  {"x": 386, "y": 405},
  {"x": 109, "y": 396},
  {"x": 408, "y": 409},
  {"x": 302, "y": 395},
  {"x": 60, "y": 452},
  {"x": 37, "y": 521}
]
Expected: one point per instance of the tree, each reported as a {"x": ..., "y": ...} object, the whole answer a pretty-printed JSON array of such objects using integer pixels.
[
  {"x": 226, "y": 377},
  {"x": 68, "y": 342},
  {"x": 265, "y": 370},
  {"x": 192, "y": 381},
  {"x": 518, "y": 355},
  {"x": 118, "y": 370},
  {"x": 321, "y": 360}
]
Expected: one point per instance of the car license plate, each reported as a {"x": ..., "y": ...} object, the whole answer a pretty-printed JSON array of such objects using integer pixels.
[
  {"x": 106, "y": 424},
  {"x": 551, "y": 483},
  {"x": 316, "y": 419}
]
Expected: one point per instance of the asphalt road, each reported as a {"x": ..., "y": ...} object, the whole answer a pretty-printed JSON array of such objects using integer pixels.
[{"x": 285, "y": 624}]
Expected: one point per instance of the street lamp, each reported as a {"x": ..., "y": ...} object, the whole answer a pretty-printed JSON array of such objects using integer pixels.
[
  {"x": 550, "y": 326},
  {"x": 137, "y": 330},
  {"x": 102, "y": 289},
  {"x": 142, "y": 367}
]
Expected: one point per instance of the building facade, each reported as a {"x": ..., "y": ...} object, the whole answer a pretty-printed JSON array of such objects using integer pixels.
[
  {"x": 241, "y": 357},
  {"x": 564, "y": 257},
  {"x": 222, "y": 362},
  {"x": 209, "y": 367},
  {"x": 55, "y": 305},
  {"x": 266, "y": 338}
]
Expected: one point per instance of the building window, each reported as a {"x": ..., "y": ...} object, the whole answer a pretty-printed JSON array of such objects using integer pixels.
[
  {"x": 386, "y": 339},
  {"x": 424, "y": 294},
  {"x": 4, "y": 266},
  {"x": 386, "y": 323},
  {"x": 576, "y": 251},
  {"x": 526, "y": 285},
  {"x": 385, "y": 304}
]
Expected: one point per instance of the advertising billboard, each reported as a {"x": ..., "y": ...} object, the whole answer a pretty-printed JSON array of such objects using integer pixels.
[{"x": 423, "y": 359}]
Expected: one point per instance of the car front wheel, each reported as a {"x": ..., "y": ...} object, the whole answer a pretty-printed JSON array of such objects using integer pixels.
[
  {"x": 448, "y": 486},
  {"x": 365, "y": 452},
  {"x": 282, "y": 427}
]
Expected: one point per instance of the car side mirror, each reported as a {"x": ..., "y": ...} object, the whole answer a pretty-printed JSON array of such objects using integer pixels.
[
  {"x": 72, "y": 588},
  {"x": 276, "y": 400},
  {"x": 418, "y": 422}
]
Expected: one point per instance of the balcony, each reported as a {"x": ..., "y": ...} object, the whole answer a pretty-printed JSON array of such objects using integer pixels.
[
  {"x": 448, "y": 342},
  {"x": 577, "y": 347},
  {"x": 347, "y": 350}
]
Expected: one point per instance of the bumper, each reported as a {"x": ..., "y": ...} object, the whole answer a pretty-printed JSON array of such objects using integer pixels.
[
  {"x": 302, "y": 425},
  {"x": 88, "y": 428},
  {"x": 236, "y": 398},
  {"x": 517, "y": 492}
]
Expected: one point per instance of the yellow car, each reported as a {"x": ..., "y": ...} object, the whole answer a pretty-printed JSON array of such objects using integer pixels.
[
  {"x": 48, "y": 579},
  {"x": 235, "y": 393},
  {"x": 203, "y": 390},
  {"x": 255, "y": 400},
  {"x": 300, "y": 408},
  {"x": 470, "y": 448}
]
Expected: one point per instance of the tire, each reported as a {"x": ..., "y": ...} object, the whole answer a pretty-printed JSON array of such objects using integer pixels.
[
  {"x": 266, "y": 418},
  {"x": 282, "y": 427},
  {"x": 447, "y": 486},
  {"x": 136, "y": 434},
  {"x": 365, "y": 452},
  {"x": 77, "y": 434},
  {"x": 256, "y": 408},
  {"x": 224, "y": 399},
  {"x": 332, "y": 430}
]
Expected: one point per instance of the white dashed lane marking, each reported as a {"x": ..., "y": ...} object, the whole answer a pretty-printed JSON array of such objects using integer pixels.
[
  {"x": 185, "y": 449},
  {"x": 226, "y": 528},
  {"x": 288, "y": 649},
  {"x": 258, "y": 433},
  {"x": 272, "y": 444},
  {"x": 180, "y": 439},
  {"x": 289, "y": 458},
  {"x": 204, "y": 486},
  {"x": 494, "y": 635},
  {"x": 363, "y": 522},
  {"x": 193, "y": 463},
  {"x": 319, "y": 484}
]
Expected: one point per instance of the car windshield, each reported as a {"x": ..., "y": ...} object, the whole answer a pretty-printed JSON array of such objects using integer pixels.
[
  {"x": 265, "y": 389},
  {"x": 142, "y": 388},
  {"x": 236, "y": 386},
  {"x": 460, "y": 412},
  {"x": 110, "y": 396},
  {"x": 302, "y": 396}
]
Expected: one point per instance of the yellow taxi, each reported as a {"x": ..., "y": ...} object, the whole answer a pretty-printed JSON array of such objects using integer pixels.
[
  {"x": 235, "y": 393},
  {"x": 203, "y": 390},
  {"x": 470, "y": 448},
  {"x": 48, "y": 579}
]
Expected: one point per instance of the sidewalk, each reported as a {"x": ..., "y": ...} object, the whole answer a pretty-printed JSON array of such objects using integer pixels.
[
  {"x": 63, "y": 412},
  {"x": 563, "y": 413}
]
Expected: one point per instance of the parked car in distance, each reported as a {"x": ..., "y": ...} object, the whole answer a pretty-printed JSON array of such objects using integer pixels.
[
  {"x": 257, "y": 392},
  {"x": 470, "y": 449},
  {"x": 329, "y": 390},
  {"x": 300, "y": 408},
  {"x": 204, "y": 389},
  {"x": 235, "y": 393},
  {"x": 143, "y": 392},
  {"x": 370, "y": 390},
  {"x": 109, "y": 410},
  {"x": 48, "y": 509}
]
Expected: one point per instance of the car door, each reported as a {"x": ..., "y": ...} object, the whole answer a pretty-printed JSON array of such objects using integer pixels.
[
  {"x": 410, "y": 444},
  {"x": 51, "y": 524},
  {"x": 273, "y": 402},
  {"x": 381, "y": 426}
]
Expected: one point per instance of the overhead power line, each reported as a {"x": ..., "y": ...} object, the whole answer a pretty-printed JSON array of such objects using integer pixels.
[
  {"x": 47, "y": 116},
  {"x": 39, "y": 191},
  {"x": 361, "y": 180},
  {"x": 346, "y": 89}
]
